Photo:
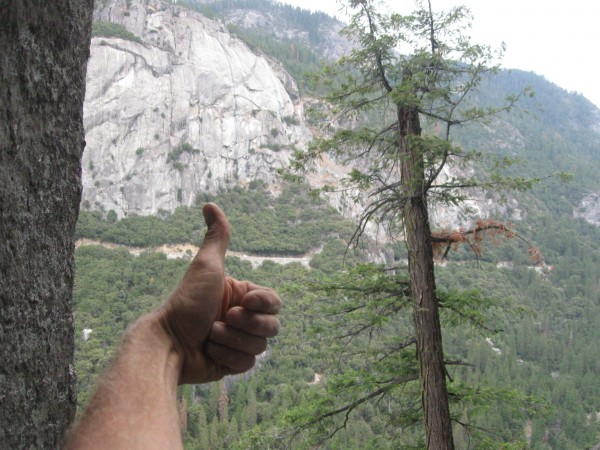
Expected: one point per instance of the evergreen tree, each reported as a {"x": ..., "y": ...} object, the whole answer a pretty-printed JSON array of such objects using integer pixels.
[
  {"x": 251, "y": 412},
  {"x": 203, "y": 431},
  {"x": 380, "y": 103},
  {"x": 213, "y": 439}
]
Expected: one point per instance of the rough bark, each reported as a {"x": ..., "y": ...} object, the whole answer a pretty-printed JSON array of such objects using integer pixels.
[
  {"x": 44, "y": 47},
  {"x": 428, "y": 331}
]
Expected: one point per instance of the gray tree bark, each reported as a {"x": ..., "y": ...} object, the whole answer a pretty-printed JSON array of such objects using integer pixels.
[{"x": 44, "y": 46}]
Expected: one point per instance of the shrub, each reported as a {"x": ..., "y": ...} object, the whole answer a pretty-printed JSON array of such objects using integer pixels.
[
  {"x": 291, "y": 120},
  {"x": 178, "y": 166},
  {"x": 274, "y": 147},
  {"x": 173, "y": 156},
  {"x": 107, "y": 29}
]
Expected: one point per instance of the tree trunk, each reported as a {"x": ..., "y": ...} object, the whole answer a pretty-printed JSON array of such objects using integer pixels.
[
  {"x": 428, "y": 332},
  {"x": 44, "y": 47}
]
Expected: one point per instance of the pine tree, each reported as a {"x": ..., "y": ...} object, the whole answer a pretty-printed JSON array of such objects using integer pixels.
[
  {"x": 223, "y": 403},
  {"x": 251, "y": 409},
  {"x": 213, "y": 438},
  {"x": 203, "y": 431},
  {"x": 379, "y": 103}
]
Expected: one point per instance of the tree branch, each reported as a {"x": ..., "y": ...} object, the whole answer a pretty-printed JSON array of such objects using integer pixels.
[{"x": 349, "y": 407}]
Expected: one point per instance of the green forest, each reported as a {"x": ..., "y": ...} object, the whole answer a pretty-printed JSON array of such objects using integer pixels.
[
  {"x": 521, "y": 339},
  {"x": 544, "y": 325}
]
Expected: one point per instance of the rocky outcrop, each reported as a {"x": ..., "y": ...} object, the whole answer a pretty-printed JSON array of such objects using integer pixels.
[
  {"x": 476, "y": 204},
  {"x": 190, "y": 109},
  {"x": 589, "y": 209}
]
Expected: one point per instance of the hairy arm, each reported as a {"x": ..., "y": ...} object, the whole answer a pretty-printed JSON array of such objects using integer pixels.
[
  {"x": 210, "y": 327},
  {"x": 135, "y": 405}
]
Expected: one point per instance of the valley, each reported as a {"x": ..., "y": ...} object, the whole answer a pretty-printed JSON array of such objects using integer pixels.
[{"x": 190, "y": 102}]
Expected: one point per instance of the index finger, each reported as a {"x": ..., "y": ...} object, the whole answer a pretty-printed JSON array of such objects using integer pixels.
[{"x": 262, "y": 300}]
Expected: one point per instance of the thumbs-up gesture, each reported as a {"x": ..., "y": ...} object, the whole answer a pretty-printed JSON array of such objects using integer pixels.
[
  {"x": 217, "y": 324},
  {"x": 211, "y": 326}
]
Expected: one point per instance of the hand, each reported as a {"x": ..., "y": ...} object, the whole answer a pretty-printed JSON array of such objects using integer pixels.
[{"x": 217, "y": 324}]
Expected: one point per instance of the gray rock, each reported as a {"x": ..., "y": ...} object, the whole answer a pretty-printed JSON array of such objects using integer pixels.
[
  {"x": 589, "y": 209},
  {"x": 190, "y": 110}
]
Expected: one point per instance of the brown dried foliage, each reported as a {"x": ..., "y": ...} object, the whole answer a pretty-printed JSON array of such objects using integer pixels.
[{"x": 443, "y": 241}]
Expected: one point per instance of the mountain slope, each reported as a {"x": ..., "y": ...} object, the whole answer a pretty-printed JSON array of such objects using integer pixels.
[{"x": 552, "y": 351}]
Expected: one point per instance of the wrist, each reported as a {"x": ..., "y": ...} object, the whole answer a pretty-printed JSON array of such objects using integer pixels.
[{"x": 146, "y": 336}]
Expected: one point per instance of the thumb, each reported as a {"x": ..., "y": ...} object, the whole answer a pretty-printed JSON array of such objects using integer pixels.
[{"x": 216, "y": 239}]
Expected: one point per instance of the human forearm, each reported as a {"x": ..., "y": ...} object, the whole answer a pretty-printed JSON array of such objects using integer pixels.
[{"x": 135, "y": 405}]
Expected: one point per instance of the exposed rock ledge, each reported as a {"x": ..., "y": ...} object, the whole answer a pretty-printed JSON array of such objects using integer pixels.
[{"x": 589, "y": 209}]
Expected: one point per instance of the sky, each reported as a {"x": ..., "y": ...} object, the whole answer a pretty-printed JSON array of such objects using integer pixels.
[{"x": 557, "y": 39}]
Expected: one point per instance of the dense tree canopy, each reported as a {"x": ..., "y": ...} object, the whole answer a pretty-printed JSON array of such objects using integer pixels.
[{"x": 527, "y": 316}]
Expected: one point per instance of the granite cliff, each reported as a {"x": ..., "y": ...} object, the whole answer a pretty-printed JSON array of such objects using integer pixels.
[
  {"x": 177, "y": 105},
  {"x": 183, "y": 108}
]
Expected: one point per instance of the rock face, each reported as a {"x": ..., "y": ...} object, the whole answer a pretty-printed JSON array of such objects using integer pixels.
[
  {"x": 477, "y": 203},
  {"x": 589, "y": 209},
  {"x": 189, "y": 110}
]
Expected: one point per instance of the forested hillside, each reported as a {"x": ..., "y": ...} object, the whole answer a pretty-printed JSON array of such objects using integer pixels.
[
  {"x": 547, "y": 347},
  {"x": 523, "y": 342}
]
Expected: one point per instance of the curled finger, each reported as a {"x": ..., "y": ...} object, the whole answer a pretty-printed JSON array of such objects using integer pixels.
[
  {"x": 234, "y": 360},
  {"x": 257, "y": 324},
  {"x": 262, "y": 300},
  {"x": 237, "y": 339}
]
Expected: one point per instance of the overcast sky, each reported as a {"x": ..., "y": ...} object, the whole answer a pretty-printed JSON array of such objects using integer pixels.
[{"x": 559, "y": 40}]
